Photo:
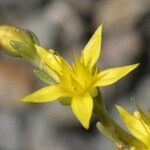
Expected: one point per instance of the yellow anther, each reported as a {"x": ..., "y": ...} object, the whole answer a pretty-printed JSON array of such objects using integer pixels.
[
  {"x": 51, "y": 51},
  {"x": 137, "y": 114}
]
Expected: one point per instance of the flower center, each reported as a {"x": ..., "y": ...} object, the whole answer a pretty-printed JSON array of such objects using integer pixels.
[{"x": 77, "y": 79}]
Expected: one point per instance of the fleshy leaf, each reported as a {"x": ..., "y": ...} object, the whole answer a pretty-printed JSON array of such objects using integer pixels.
[
  {"x": 26, "y": 50},
  {"x": 107, "y": 131},
  {"x": 44, "y": 77},
  {"x": 46, "y": 94},
  {"x": 33, "y": 37},
  {"x": 82, "y": 107},
  {"x": 112, "y": 75},
  {"x": 92, "y": 50}
]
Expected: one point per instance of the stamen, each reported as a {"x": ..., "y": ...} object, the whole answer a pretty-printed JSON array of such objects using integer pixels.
[
  {"x": 59, "y": 62},
  {"x": 137, "y": 114},
  {"x": 51, "y": 51}
]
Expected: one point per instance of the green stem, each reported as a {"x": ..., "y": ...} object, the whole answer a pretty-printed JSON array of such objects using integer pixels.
[{"x": 110, "y": 128}]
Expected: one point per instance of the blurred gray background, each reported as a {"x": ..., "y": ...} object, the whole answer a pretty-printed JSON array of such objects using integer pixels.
[{"x": 65, "y": 25}]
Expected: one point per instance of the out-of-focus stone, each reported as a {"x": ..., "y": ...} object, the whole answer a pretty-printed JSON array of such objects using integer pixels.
[
  {"x": 119, "y": 15},
  {"x": 82, "y": 6},
  {"x": 14, "y": 10},
  {"x": 55, "y": 127},
  {"x": 58, "y": 26},
  {"x": 142, "y": 94},
  {"x": 9, "y": 133},
  {"x": 40, "y": 25},
  {"x": 15, "y": 82},
  {"x": 59, "y": 114},
  {"x": 67, "y": 23},
  {"x": 120, "y": 50}
]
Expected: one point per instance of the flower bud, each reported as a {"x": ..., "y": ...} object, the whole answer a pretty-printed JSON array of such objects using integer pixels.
[{"x": 17, "y": 42}]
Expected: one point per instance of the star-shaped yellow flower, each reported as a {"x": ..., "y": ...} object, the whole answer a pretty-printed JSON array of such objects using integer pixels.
[
  {"x": 76, "y": 83},
  {"x": 138, "y": 124}
]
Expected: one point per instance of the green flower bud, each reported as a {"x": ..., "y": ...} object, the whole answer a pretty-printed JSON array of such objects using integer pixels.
[{"x": 18, "y": 42}]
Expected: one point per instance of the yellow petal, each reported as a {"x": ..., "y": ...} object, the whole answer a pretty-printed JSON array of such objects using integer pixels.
[
  {"x": 82, "y": 107},
  {"x": 46, "y": 94},
  {"x": 112, "y": 75},
  {"x": 49, "y": 58},
  {"x": 136, "y": 126},
  {"x": 92, "y": 50}
]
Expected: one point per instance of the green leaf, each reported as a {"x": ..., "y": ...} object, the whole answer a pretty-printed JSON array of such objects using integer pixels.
[
  {"x": 107, "y": 131},
  {"x": 25, "y": 49},
  {"x": 44, "y": 77},
  {"x": 33, "y": 37}
]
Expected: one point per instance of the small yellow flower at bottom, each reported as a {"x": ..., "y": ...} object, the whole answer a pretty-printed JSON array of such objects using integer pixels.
[
  {"x": 138, "y": 124},
  {"x": 77, "y": 83}
]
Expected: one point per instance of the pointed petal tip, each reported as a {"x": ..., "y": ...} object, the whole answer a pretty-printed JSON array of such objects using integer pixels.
[
  {"x": 24, "y": 100},
  {"x": 82, "y": 108},
  {"x": 112, "y": 75},
  {"x": 100, "y": 28},
  {"x": 136, "y": 65},
  {"x": 118, "y": 107},
  {"x": 86, "y": 126},
  {"x": 122, "y": 111}
]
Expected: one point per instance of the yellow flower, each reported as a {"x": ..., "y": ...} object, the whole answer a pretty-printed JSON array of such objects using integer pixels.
[
  {"x": 138, "y": 124},
  {"x": 76, "y": 83}
]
